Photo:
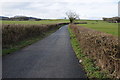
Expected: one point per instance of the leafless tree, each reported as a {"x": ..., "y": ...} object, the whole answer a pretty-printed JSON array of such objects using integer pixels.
[{"x": 72, "y": 16}]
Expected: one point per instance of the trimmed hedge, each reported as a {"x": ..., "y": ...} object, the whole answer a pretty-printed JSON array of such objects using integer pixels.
[
  {"x": 101, "y": 47},
  {"x": 13, "y": 33}
]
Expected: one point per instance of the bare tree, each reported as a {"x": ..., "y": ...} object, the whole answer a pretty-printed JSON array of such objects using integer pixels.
[{"x": 72, "y": 16}]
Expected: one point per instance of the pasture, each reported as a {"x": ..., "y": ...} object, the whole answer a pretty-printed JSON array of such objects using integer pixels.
[
  {"x": 53, "y": 21},
  {"x": 99, "y": 25},
  {"x": 110, "y": 28}
]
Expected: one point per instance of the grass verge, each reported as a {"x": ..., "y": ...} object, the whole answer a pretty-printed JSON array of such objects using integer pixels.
[
  {"x": 24, "y": 43},
  {"x": 92, "y": 70}
]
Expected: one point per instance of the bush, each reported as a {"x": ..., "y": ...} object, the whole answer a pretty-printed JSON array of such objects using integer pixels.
[
  {"x": 101, "y": 47},
  {"x": 80, "y": 23},
  {"x": 14, "y": 33}
]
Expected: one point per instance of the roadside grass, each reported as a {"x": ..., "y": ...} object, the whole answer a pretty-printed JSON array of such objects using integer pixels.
[
  {"x": 110, "y": 28},
  {"x": 92, "y": 70},
  {"x": 22, "y": 44},
  {"x": 52, "y": 21}
]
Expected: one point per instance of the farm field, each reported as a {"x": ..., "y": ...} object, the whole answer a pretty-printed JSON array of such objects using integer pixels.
[
  {"x": 110, "y": 28},
  {"x": 37, "y": 22}
]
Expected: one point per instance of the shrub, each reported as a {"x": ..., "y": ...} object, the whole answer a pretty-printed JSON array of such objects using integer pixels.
[
  {"x": 101, "y": 47},
  {"x": 13, "y": 33}
]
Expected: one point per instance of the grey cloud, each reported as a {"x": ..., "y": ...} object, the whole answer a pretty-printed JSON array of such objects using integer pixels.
[{"x": 57, "y": 9}]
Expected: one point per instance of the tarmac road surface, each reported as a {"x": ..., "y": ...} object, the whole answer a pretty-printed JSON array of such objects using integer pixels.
[{"x": 52, "y": 57}]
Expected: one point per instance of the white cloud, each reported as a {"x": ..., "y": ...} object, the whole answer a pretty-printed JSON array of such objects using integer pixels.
[
  {"x": 56, "y": 8},
  {"x": 87, "y": 1}
]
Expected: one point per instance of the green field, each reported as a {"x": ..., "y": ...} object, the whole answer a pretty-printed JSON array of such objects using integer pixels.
[
  {"x": 111, "y": 28},
  {"x": 36, "y": 22}
]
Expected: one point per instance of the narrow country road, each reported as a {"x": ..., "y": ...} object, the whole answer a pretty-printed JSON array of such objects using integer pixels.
[{"x": 52, "y": 57}]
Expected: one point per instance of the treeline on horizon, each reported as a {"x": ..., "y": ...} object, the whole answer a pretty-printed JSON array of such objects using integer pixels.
[
  {"x": 25, "y": 18},
  {"x": 20, "y": 18},
  {"x": 112, "y": 20}
]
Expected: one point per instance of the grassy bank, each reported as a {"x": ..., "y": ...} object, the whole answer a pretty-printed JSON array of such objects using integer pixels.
[
  {"x": 92, "y": 70},
  {"x": 110, "y": 28},
  {"x": 25, "y": 42}
]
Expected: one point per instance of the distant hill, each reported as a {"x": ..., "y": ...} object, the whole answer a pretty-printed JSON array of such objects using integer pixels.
[
  {"x": 19, "y": 18},
  {"x": 4, "y": 18},
  {"x": 32, "y": 18}
]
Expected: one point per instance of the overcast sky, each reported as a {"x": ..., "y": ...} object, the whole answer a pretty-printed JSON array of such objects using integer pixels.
[{"x": 56, "y": 9}]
